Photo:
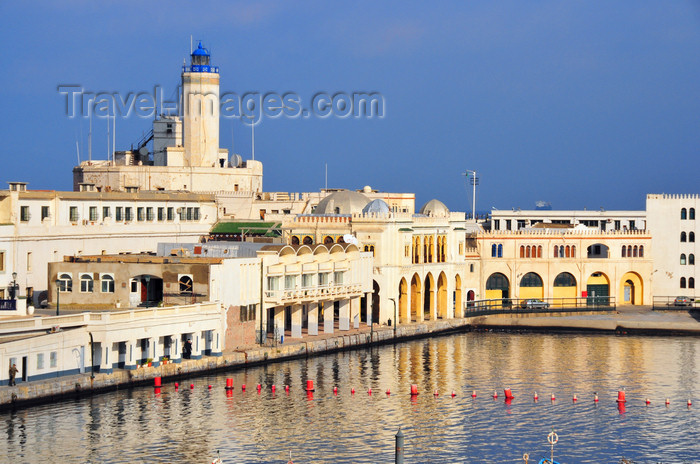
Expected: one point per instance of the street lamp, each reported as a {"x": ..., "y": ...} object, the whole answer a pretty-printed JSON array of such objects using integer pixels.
[
  {"x": 58, "y": 295},
  {"x": 13, "y": 289}
]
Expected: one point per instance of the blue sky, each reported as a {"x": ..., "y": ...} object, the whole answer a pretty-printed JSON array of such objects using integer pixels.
[{"x": 580, "y": 103}]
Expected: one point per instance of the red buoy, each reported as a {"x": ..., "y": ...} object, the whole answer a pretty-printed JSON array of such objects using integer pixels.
[
  {"x": 229, "y": 384},
  {"x": 495, "y": 395},
  {"x": 156, "y": 382},
  {"x": 414, "y": 390},
  {"x": 259, "y": 387},
  {"x": 536, "y": 397},
  {"x": 191, "y": 386},
  {"x": 335, "y": 390},
  {"x": 473, "y": 393},
  {"x": 388, "y": 392},
  {"x": 668, "y": 401},
  {"x": 621, "y": 396},
  {"x": 177, "y": 385},
  {"x": 595, "y": 397},
  {"x": 286, "y": 388},
  {"x": 575, "y": 399},
  {"x": 508, "y": 393},
  {"x": 369, "y": 392},
  {"x": 156, "y": 390},
  {"x": 309, "y": 385},
  {"x": 352, "y": 391},
  {"x": 243, "y": 387},
  {"x": 273, "y": 388},
  {"x": 453, "y": 394},
  {"x": 690, "y": 403},
  {"x": 209, "y": 387},
  {"x": 553, "y": 397},
  {"x": 648, "y": 401},
  {"x": 435, "y": 393}
]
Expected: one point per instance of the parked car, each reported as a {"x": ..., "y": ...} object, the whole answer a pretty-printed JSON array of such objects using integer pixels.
[
  {"x": 534, "y": 303},
  {"x": 682, "y": 301}
]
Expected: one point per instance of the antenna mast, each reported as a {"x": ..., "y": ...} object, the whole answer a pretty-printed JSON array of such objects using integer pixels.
[{"x": 472, "y": 177}]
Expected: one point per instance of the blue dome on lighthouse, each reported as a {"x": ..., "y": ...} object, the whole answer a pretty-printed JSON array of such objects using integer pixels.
[{"x": 200, "y": 51}]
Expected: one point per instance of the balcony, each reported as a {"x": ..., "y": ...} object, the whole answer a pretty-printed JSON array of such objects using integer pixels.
[{"x": 299, "y": 295}]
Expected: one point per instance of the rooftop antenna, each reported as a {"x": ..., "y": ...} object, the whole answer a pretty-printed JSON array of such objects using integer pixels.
[
  {"x": 472, "y": 177},
  {"x": 114, "y": 133},
  {"x": 326, "y": 176},
  {"x": 191, "y": 44},
  {"x": 109, "y": 142},
  {"x": 77, "y": 151},
  {"x": 90, "y": 139}
]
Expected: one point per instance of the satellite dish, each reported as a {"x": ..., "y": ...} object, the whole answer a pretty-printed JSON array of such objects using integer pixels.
[
  {"x": 143, "y": 151},
  {"x": 349, "y": 238},
  {"x": 235, "y": 160}
]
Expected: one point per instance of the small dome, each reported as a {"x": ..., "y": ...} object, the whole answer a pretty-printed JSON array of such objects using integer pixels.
[
  {"x": 342, "y": 202},
  {"x": 376, "y": 206},
  {"x": 367, "y": 189},
  {"x": 434, "y": 208},
  {"x": 200, "y": 51}
]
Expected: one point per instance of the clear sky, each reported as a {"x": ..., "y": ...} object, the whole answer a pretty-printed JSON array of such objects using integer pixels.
[{"x": 579, "y": 103}]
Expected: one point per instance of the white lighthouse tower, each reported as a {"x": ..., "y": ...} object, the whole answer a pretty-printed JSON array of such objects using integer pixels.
[{"x": 200, "y": 110}]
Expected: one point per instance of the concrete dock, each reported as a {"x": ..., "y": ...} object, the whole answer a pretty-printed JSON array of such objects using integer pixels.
[{"x": 633, "y": 320}]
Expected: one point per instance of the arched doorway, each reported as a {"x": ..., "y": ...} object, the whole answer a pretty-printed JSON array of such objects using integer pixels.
[
  {"x": 442, "y": 296},
  {"x": 531, "y": 286},
  {"x": 147, "y": 290},
  {"x": 403, "y": 302},
  {"x": 631, "y": 291},
  {"x": 598, "y": 290},
  {"x": 564, "y": 291},
  {"x": 429, "y": 298},
  {"x": 497, "y": 287},
  {"x": 470, "y": 298},
  {"x": 416, "y": 298},
  {"x": 375, "y": 302},
  {"x": 457, "y": 303}
]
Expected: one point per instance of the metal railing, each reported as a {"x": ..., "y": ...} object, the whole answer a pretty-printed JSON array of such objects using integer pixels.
[
  {"x": 538, "y": 306},
  {"x": 677, "y": 303},
  {"x": 8, "y": 305}
]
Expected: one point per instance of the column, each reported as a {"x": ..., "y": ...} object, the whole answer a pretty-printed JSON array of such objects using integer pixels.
[
  {"x": 328, "y": 317},
  {"x": 154, "y": 351},
  {"x": 370, "y": 308},
  {"x": 344, "y": 319},
  {"x": 176, "y": 348},
  {"x": 132, "y": 354},
  {"x": 197, "y": 345},
  {"x": 313, "y": 319},
  {"x": 107, "y": 356},
  {"x": 355, "y": 312},
  {"x": 279, "y": 322},
  {"x": 216, "y": 349},
  {"x": 296, "y": 321}
]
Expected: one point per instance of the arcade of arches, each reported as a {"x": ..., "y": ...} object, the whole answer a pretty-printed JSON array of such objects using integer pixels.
[{"x": 426, "y": 299}]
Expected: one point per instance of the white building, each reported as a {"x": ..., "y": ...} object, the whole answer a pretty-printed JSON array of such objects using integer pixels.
[{"x": 601, "y": 219}]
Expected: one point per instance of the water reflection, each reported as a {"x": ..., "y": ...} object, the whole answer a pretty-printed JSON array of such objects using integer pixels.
[{"x": 189, "y": 425}]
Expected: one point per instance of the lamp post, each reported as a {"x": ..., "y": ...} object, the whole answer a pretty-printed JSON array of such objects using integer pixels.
[
  {"x": 13, "y": 290},
  {"x": 58, "y": 295}
]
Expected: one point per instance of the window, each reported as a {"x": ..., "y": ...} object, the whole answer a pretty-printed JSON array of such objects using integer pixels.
[
  {"x": 40, "y": 360},
  {"x": 691, "y": 282},
  {"x": 171, "y": 213},
  {"x": 521, "y": 224},
  {"x": 682, "y": 282},
  {"x": 93, "y": 213},
  {"x": 496, "y": 224},
  {"x": 24, "y": 213},
  {"x": 522, "y": 251},
  {"x": 691, "y": 259},
  {"x": 684, "y": 215},
  {"x": 273, "y": 283},
  {"x": 86, "y": 283},
  {"x": 73, "y": 213},
  {"x": 500, "y": 250},
  {"x": 189, "y": 214},
  {"x": 632, "y": 225},
  {"x": 45, "y": 212},
  {"x": 556, "y": 251},
  {"x": 128, "y": 214},
  {"x": 140, "y": 216},
  {"x": 65, "y": 283},
  {"x": 531, "y": 280},
  {"x": 134, "y": 286},
  {"x": 641, "y": 251},
  {"x": 161, "y": 214},
  {"x": 149, "y": 214},
  {"x": 195, "y": 214},
  {"x": 338, "y": 277},
  {"x": 691, "y": 215},
  {"x": 527, "y": 251},
  {"x": 617, "y": 225},
  {"x": 2, "y": 261},
  {"x": 635, "y": 252},
  {"x": 406, "y": 251},
  {"x": 565, "y": 280},
  {"x": 573, "y": 251},
  {"x": 683, "y": 237},
  {"x": 471, "y": 268},
  {"x": 107, "y": 283},
  {"x": 29, "y": 261},
  {"x": 624, "y": 251},
  {"x": 567, "y": 251},
  {"x": 118, "y": 214},
  {"x": 323, "y": 279},
  {"x": 106, "y": 212},
  {"x": 307, "y": 280},
  {"x": 494, "y": 250},
  {"x": 508, "y": 226},
  {"x": 185, "y": 282},
  {"x": 182, "y": 213},
  {"x": 691, "y": 237},
  {"x": 539, "y": 251},
  {"x": 290, "y": 282},
  {"x": 53, "y": 357},
  {"x": 682, "y": 258}
]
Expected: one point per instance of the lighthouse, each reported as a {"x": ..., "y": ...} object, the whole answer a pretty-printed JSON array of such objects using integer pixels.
[{"x": 200, "y": 110}]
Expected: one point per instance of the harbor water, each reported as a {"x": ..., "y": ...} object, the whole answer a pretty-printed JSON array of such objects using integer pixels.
[{"x": 189, "y": 425}]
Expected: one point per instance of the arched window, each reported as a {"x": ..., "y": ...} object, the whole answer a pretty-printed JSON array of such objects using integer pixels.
[
  {"x": 308, "y": 240},
  {"x": 641, "y": 251},
  {"x": 624, "y": 251},
  {"x": 494, "y": 252},
  {"x": 691, "y": 236},
  {"x": 683, "y": 237},
  {"x": 86, "y": 283},
  {"x": 691, "y": 259},
  {"x": 561, "y": 251},
  {"x": 682, "y": 282},
  {"x": 682, "y": 258},
  {"x": 527, "y": 251},
  {"x": 107, "y": 283},
  {"x": 539, "y": 251},
  {"x": 531, "y": 280},
  {"x": 683, "y": 216},
  {"x": 295, "y": 240},
  {"x": 522, "y": 251},
  {"x": 573, "y": 251},
  {"x": 568, "y": 251},
  {"x": 691, "y": 214},
  {"x": 636, "y": 250},
  {"x": 471, "y": 268},
  {"x": 556, "y": 251},
  {"x": 565, "y": 280},
  {"x": 185, "y": 284},
  {"x": 691, "y": 282},
  {"x": 500, "y": 250},
  {"x": 65, "y": 283}
]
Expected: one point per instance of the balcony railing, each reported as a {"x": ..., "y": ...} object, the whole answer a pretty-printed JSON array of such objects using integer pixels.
[
  {"x": 312, "y": 293},
  {"x": 530, "y": 306},
  {"x": 8, "y": 305}
]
